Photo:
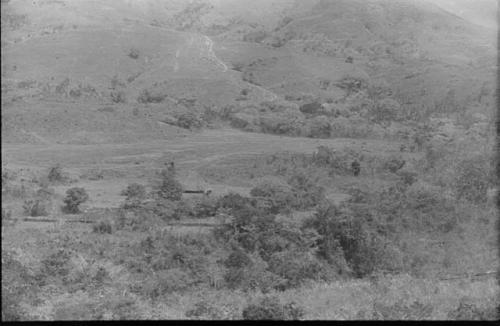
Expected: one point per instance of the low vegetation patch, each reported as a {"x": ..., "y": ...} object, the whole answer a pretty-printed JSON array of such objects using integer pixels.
[{"x": 74, "y": 197}]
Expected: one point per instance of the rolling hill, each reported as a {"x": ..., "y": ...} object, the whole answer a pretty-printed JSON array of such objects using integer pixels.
[{"x": 210, "y": 52}]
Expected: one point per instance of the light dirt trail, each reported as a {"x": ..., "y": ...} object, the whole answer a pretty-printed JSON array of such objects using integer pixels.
[
  {"x": 206, "y": 50},
  {"x": 268, "y": 95},
  {"x": 210, "y": 44},
  {"x": 176, "y": 64}
]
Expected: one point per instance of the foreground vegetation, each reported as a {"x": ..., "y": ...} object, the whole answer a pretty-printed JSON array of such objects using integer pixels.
[{"x": 409, "y": 246}]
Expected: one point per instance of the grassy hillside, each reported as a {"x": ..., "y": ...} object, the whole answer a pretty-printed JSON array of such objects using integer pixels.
[{"x": 263, "y": 51}]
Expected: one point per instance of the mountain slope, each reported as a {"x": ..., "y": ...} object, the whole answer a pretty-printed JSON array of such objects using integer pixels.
[{"x": 157, "y": 55}]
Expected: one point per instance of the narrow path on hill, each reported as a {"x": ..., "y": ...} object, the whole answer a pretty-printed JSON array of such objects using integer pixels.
[{"x": 206, "y": 45}]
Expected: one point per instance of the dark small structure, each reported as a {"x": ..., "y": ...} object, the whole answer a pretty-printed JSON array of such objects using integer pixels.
[
  {"x": 356, "y": 168},
  {"x": 204, "y": 192}
]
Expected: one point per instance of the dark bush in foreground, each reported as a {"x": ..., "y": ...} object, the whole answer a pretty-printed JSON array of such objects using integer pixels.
[
  {"x": 296, "y": 267},
  {"x": 270, "y": 308},
  {"x": 17, "y": 285},
  {"x": 203, "y": 309},
  {"x": 168, "y": 281},
  {"x": 74, "y": 197},
  {"x": 399, "y": 311},
  {"x": 345, "y": 235}
]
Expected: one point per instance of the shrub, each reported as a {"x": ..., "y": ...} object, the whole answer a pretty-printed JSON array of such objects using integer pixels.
[
  {"x": 432, "y": 156},
  {"x": 203, "y": 308},
  {"x": 293, "y": 311},
  {"x": 233, "y": 202},
  {"x": 75, "y": 92},
  {"x": 279, "y": 124},
  {"x": 429, "y": 207},
  {"x": 134, "y": 193},
  {"x": 400, "y": 311},
  {"x": 346, "y": 236},
  {"x": 74, "y": 197},
  {"x": 6, "y": 214},
  {"x": 237, "y": 259},
  {"x": 56, "y": 264},
  {"x": 172, "y": 280},
  {"x": 313, "y": 108},
  {"x": 242, "y": 120},
  {"x": 134, "y": 190},
  {"x": 306, "y": 191},
  {"x": 394, "y": 164},
  {"x": 279, "y": 193},
  {"x": 117, "y": 96},
  {"x": 205, "y": 207},
  {"x": 35, "y": 207},
  {"x": 56, "y": 174},
  {"x": 169, "y": 188},
  {"x": 295, "y": 267},
  {"x": 408, "y": 177},
  {"x": 467, "y": 310},
  {"x": 18, "y": 284},
  {"x": 147, "y": 96},
  {"x": 320, "y": 127},
  {"x": 133, "y": 53},
  {"x": 385, "y": 110},
  {"x": 473, "y": 179},
  {"x": 323, "y": 156},
  {"x": 249, "y": 77},
  {"x": 45, "y": 193},
  {"x": 238, "y": 66},
  {"x": 188, "y": 121},
  {"x": 11, "y": 308},
  {"x": 102, "y": 227},
  {"x": 168, "y": 209},
  {"x": 352, "y": 84},
  {"x": 270, "y": 308},
  {"x": 357, "y": 195},
  {"x": 256, "y": 36},
  {"x": 253, "y": 276}
]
